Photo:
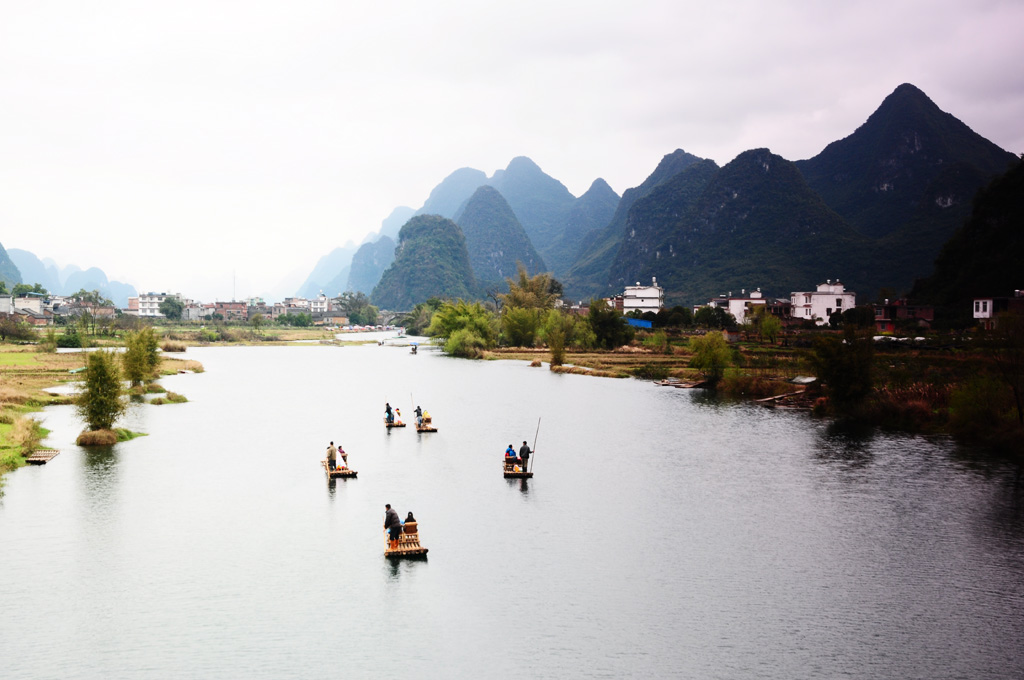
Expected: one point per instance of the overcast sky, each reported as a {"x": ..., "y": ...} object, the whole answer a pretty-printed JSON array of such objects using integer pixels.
[{"x": 174, "y": 143}]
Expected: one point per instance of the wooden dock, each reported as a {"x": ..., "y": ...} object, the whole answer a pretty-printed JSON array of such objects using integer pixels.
[
  {"x": 338, "y": 472},
  {"x": 41, "y": 456}
]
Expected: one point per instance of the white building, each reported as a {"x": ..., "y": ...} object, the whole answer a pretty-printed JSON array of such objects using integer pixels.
[
  {"x": 149, "y": 303},
  {"x": 643, "y": 298},
  {"x": 320, "y": 304},
  {"x": 822, "y": 303},
  {"x": 739, "y": 306}
]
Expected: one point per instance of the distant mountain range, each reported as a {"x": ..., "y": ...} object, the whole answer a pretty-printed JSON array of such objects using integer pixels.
[
  {"x": 9, "y": 272},
  {"x": 69, "y": 279},
  {"x": 873, "y": 209}
]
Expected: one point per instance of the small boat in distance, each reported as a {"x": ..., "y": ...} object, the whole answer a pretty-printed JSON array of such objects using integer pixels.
[{"x": 337, "y": 472}]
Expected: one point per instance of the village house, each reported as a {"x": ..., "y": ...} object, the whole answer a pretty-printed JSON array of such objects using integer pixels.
[
  {"x": 321, "y": 304},
  {"x": 987, "y": 309},
  {"x": 900, "y": 312},
  {"x": 231, "y": 311},
  {"x": 643, "y": 298},
  {"x": 820, "y": 304},
  {"x": 148, "y": 304},
  {"x": 739, "y": 306},
  {"x": 192, "y": 312}
]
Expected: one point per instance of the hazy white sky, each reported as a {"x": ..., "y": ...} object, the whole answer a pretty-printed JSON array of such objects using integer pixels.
[{"x": 174, "y": 143}]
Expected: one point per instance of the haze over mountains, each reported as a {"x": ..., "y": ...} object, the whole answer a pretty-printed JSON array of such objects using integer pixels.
[
  {"x": 873, "y": 209},
  {"x": 61, "y": 280}
]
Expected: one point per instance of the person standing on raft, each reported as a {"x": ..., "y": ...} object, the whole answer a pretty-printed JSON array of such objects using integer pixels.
[
  {"x": 393, "y": 525},
  {"x": 388, "y": 416},
  {"x": 419, "y": 416},
  {"x": 332, "y": 454},
  {"x": 524, "y": 455}
]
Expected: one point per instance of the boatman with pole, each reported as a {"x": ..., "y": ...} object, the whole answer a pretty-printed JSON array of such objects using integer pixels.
[
  {"x": 524, "y": 455},
  {"x": 332, "y": 456},
  {"x": 393, "y": 525}
]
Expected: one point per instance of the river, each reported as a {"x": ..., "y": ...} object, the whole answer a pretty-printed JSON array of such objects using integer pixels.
[{"x": 663, "y": 535}]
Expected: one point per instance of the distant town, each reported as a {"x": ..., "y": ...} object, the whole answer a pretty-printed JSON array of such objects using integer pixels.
[{"x": 816, "y": 306}]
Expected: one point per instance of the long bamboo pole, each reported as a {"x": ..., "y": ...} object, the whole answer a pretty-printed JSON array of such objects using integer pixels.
[{"x": 536, "y": 434}]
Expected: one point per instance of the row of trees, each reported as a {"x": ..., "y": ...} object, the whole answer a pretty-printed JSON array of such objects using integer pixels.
[
  {"x": 103, "y": 398},
  {"x": 527, "y": 315}
]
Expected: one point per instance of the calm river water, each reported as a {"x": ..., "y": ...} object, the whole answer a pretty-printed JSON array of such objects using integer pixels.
[{"x": 664, "y": 535}]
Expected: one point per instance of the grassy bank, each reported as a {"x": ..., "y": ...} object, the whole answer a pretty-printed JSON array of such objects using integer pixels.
[
  {"x": 941, "y": 386},
  {"x": 26, "y": 373}
]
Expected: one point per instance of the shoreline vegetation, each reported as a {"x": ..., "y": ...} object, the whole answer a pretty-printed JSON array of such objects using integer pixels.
[
  {"x": 28, "y": 373},
  {"x": 30, "y": 367},
  {"x": 951, "y": 383},
  {"x": 967, "y": 383}
]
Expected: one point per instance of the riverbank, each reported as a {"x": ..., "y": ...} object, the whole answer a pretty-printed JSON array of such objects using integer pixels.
[
  {"x": 28, "y": 376},
  {"x": 934, "y": 386}
]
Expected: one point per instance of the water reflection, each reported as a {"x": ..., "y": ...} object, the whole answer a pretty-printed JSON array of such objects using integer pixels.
[
  {"x": 523, "y": 484},
  {"x": 848, "y": 444},
  {"x": 772, "y": 564}
]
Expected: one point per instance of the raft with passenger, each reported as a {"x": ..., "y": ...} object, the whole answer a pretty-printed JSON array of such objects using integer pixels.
[
  {"x": 425, "y": 424},
  {"x": 408, "y": 543},
  {"x": 337, "y": 472},
  {"x": 393, "y": 423},
  {"x": 514, "y": 470}
]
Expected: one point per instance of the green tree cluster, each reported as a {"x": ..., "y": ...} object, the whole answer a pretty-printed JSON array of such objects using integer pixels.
[
  {"x": 101, "y": 401},
  {"x": 22, "y": 289},
  {"x": 467, "y": 328},
  {"x": 93, "y": 296},
  {"x": 418, "y": 320},
  {"x": 299, "y": 319},
  {"x": 356, "y": 306},
  {"x": 711, "y": 356},
  {"x": 15, "y": 329},
  {"x": 609, "y": 327},
  {"x": 844, "y": 365},
  {"x": 172, "y": 308},
  {"x": 713, "y": 318},
  {"x": 140, "y": 358}
]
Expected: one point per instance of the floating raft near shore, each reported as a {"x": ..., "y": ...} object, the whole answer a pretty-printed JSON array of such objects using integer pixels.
[
  {"x": 337, "y": 472},
  {"x": 41, "y": 456},
  {"x": 512, "y": 473},
  {"x": 683, "y": 384},
  {"x": 408, "y": 544}
]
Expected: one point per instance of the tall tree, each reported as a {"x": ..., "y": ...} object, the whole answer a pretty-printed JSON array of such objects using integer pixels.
[
  {"x": 172, "y": 308},
  {"x": 101, "y": 401}
]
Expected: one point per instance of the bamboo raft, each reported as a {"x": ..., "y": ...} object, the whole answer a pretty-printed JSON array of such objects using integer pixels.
[
  {"x": 41, "y": 456},
  {"x": 338, "y": 472},
  {"x": 512, "y": 473},
  {"x": 397, "y": 423},
  {"x": 408, "y": 543},
  {"x": 427, "y": 426}
]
